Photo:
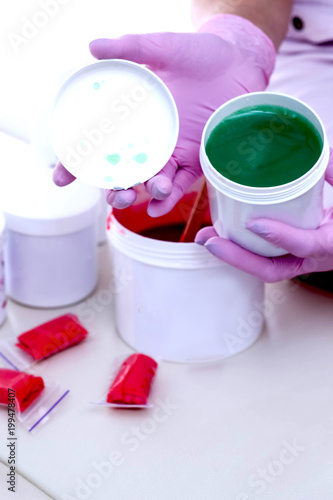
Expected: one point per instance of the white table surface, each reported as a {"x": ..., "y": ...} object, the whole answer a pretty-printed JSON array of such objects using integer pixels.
[{"x": 218, "y": 431}]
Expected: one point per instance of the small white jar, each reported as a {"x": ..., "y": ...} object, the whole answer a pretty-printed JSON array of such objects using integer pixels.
[
  {"x": 51, "y": 249},
  {"x": 2, "y": 271},
  {"x": 176, "y": 300},
  {"x": 232, "y": 205}
]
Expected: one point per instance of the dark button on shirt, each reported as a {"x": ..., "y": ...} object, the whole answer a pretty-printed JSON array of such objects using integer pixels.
[{"x": 298, "y": 23}]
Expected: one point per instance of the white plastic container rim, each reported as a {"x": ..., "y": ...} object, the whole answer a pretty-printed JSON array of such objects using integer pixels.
[
  {"x": 264, "y": 195},
  {"x": 159, "y": 253}
]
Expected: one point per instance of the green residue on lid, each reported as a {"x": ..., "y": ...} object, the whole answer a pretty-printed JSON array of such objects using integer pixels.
[
  {"x": 113, "y": 159},
  {"x": 108, "y": 178},
  {"x": 96, "y": 85},
  {"x": 141, "y": 158}
]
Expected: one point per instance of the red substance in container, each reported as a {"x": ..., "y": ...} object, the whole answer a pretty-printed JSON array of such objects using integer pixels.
[
  {"x": 51, "y": 337},
  {"x": 168, "y": 227},
  {"x": 133, "y": 381},
  {"x": 27, "y": 387}
]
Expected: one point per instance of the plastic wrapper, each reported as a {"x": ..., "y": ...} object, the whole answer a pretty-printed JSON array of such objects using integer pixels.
[
  {"x": 26, "y": 387},
  {"x": 132, "y": 384},
  {"x": 42, "y": 341},
  {"x": 34, "y": 400}
]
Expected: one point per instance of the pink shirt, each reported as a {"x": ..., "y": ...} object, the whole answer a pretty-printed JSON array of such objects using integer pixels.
[{"x": 304, "y": 66}]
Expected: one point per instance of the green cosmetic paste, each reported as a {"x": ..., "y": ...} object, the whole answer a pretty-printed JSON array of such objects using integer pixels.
[{"x": 264, "y": 146}]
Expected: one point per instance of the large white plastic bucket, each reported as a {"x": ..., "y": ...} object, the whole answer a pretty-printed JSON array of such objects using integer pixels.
[
  {"x": 179, "y": 302},
  {"x": 299, "y": 202}
]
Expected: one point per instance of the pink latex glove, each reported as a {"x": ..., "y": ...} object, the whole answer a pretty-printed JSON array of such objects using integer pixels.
[
  {"x": 229, "y": 56},
  {"x": 310, "y": 250}
]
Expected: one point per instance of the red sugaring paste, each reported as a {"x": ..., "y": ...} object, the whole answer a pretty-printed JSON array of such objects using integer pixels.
[
  {"x": 51, "y": 337},
  {"x": 27, "y": 387},
  {"x": 133, "y": 381}
]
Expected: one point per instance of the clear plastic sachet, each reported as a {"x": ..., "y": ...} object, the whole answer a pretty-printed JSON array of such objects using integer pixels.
[
  {"x": 131, "y": 386},
  {"x": 28, "y": 397},
  {"x": 43, "y": 341}
]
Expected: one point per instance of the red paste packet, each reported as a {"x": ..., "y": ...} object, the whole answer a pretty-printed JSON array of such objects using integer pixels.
[
  {"x": 27, "y": 387},
  {"x": 133, "y": 381},
  {"x": 49, "y": 338},
  {"x": 34, "y": 402}
]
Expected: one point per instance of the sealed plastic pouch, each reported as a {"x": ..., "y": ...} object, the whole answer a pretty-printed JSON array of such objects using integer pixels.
[
  {"x": 43, "y": 341},
  {"x": 131, "y": 386},
  {"x": 29, "y": 397}
]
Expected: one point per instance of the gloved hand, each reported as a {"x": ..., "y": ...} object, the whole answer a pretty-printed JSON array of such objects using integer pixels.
[
  {"x": 310, "y": 250},
  {"x": 229, "y": 56}
]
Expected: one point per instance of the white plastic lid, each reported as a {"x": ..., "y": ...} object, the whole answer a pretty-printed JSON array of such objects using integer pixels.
[
  {"x": 32, "y": 204},
  {"x": 114, "y": 124}
]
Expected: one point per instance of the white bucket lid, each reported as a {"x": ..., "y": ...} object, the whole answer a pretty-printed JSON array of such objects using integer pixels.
[
  {"x": 32, "y": 204},
  {"x": 114, "y": 124}
]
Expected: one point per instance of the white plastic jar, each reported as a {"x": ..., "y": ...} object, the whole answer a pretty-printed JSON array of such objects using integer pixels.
[
  {"x": 51, "y": 249},
  {"x": 2, "y": 271},
  {"x": 179, "y": 302},
  {"x": 299, "y": 203}
]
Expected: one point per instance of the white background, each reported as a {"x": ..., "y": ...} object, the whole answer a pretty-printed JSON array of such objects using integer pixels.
[{"x": 32, "y": 68}]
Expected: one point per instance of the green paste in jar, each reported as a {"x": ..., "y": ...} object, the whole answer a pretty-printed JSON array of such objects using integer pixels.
[{"x": 264, "y": 146}]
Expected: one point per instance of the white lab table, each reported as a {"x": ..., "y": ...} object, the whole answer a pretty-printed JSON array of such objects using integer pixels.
[{"x": 255, "y": 426}]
